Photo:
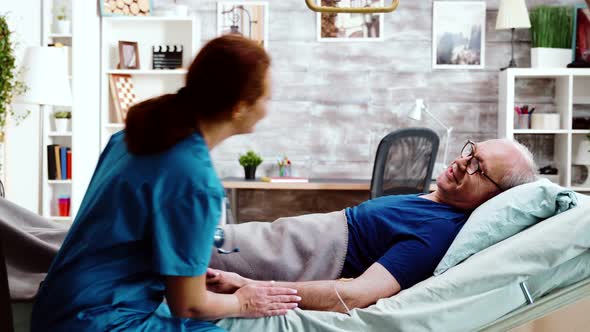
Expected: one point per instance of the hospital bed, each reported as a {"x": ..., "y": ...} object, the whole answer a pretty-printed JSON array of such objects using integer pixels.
[{"x": 485, "y": 292}]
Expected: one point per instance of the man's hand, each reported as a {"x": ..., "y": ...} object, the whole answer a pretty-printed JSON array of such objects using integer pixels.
[{"x": 224, "y": 282}]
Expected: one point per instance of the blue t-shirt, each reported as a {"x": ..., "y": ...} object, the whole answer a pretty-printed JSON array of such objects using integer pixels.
[
  {"x": 406, "y": 234},
  {"x": 143, "y": 218}
]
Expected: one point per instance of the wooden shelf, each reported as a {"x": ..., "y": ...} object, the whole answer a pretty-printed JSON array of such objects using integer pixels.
[
  {"x": 181, "y": 71},
  {"x": 60, "y": 134},
  {"x": 59, "y": 181},
  {"x": 540, "y": 131},
  {"x": 135, "y": 19}
]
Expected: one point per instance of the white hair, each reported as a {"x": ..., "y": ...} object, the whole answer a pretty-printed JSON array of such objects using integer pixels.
[{"x": 525, "y": 173}]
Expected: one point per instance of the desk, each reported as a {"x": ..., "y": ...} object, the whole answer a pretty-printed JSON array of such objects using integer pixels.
[{"x": 233, "y": 184}]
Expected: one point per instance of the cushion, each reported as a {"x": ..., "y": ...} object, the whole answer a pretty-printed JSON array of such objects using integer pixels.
[{"x": 505, "y": 215}]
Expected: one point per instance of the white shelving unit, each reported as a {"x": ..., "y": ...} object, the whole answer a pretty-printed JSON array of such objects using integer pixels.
[
  {"x": 572, "y": 89},
  {"x": 52, "y": 190},
  {"x": 147, "y": 32}
]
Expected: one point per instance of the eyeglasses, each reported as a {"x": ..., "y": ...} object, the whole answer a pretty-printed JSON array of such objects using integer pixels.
[{"x": 468, "y": 151}]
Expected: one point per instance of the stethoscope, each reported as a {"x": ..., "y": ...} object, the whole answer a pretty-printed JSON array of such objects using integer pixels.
[{"x": 219, "y": 239}]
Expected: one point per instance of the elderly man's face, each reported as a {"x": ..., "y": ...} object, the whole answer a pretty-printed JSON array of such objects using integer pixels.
[{"x": 496, "y": 159}]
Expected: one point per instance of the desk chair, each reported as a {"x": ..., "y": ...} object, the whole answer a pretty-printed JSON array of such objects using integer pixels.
[{"x": 404, "y": 162}]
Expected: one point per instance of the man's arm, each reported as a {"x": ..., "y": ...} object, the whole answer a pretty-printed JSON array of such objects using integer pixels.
[{"x": 375, "y": 283}]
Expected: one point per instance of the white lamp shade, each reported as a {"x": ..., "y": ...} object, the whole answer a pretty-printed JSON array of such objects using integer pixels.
[
  {"x": 46, "y": 77},
  {"x": 416, "y": 112},
  {"x": 512, "y": 14}
]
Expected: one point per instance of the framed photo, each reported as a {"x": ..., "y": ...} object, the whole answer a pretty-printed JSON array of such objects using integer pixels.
[
  {"x": 581, "y": 37},
  {"x": 249, "y": 19},
  {"x": 350, "y": 27},
  {"x": 128, "y": 55},
  {"x": 125, "y": 7},
  {"x": 122, "y": 94},
  {"x": 458, "y": 34}
]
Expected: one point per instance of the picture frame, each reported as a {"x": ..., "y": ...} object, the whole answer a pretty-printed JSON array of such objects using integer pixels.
[
  {"x": 458, "y": 34},
  {"x": 128, "y": 55},
  {"x": 126, "y": 7},
  {"x": 344, "y": 27},
  {"x": 581, "y": 37},
  {"x": 247, "y": 18},
  {"x": 123, "y": 95}
]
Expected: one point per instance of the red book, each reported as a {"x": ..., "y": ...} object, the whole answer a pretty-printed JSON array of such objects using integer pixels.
[{"x": 69, "y": 163}]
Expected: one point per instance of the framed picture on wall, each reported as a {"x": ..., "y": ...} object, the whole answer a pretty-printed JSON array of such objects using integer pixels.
[
  {"x": 249, "y": 19},
  {"x": 349, "y": 27},
  {"x": 123, "y": 96},
  {"x": 125, "y": 7},
  {"x": 458, "y": 34},
  {"x": 581, "y": 37}
]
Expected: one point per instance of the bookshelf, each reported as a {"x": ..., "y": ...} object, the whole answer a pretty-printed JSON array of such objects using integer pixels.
[
  {"x": 568, "y": 95},
  {"x": 54, "y": 189},
  {"x": 147, "y": 32}
]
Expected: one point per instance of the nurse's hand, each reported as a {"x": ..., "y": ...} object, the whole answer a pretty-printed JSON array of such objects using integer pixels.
[
  {"x": 219, "y": 281},
  {"x": 260, "y": 301}
]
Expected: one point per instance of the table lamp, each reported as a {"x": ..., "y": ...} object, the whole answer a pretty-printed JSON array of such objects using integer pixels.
[
  {"x": 512, "y": 15},
  {"x": 46, "y": 77},
  {"x": 416, "y": 114}
]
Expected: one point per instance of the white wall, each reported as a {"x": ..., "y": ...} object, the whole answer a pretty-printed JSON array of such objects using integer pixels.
[{"x": 22, "y": 142}]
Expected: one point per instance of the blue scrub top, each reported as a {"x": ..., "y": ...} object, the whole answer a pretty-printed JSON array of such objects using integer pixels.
[{"x": 142, "y": 218}]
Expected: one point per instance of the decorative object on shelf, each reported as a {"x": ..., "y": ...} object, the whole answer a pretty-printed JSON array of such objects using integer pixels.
[
  {"x": 458, "y": 34},
  {"x": 128, "y": 55},
  {"x": 545, "y": 121},
  {"x": 126, "y": 7},
  {"x": 59, "y": 162},
  {"x": 12, "y": 86},
  {"x": 123, "y": 94},
  {"x": 180, "y": 9},
  {"x": 581, "y": 37},
  {"x": 62, "y": 121},
  {"x": 346, "y": 27},
  {"x": 581, "y": 158},
  {"x": 550, "y": 173},
  {"x": 249, "y": 19},
  {"x": 551, "y": 30},
  {"x": 250, "y": 161},
  {"x": 63, "y": 25},
  {"x": 284, "y": 167},
  {"x": 63, "y": 206},
  {"x": 167, "y": 56},
  {"x": 523, "y": 116},
  {"x": 350, "y": 10},
  {"x": 416, "y": 114},
  {"x": 512, "y": 15}
]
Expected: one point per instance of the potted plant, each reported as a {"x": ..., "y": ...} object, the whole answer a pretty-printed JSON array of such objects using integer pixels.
[
  {"x": 62, "y": 121},
  {"x": 551, "y": 29},
  {"x": 250, "y": 161},
  {"x": 63, "y": 24}
]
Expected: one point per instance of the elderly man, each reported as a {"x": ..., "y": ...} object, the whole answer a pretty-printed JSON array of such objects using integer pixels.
[{"x": 385, "y": 244}]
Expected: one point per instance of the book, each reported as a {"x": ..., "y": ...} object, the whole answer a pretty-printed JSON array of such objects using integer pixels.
[
  {"x": 51, "y": 165},
  {"x": 69, "y": 162},
  {"x": 284, "y": 179},
  {"x": 62, "y": 154},
  {"x": 57, "y": 162}
]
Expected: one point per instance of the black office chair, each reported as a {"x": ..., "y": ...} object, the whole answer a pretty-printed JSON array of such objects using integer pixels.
[{"x": 404, "y": 162}]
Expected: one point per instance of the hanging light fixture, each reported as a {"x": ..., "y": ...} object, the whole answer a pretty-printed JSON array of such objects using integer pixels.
[{"x": 352, "y": 10}]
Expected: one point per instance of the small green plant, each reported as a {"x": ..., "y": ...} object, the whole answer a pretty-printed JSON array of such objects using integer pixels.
[
  {"x": 61, "y": 12},
  {"x": 251, "y": 158},
  {"x": 552, "y": 27},
  {"x": 62, "y": 115},
  {"x": 10, "y": 83}
]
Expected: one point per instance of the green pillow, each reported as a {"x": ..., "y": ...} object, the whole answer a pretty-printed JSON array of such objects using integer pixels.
[{"x": 505, "y": 215}]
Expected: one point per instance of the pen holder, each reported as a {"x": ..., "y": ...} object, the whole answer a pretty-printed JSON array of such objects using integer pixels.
[
  {"x": 523, "y": 121},
  {"x": 284, "y": 170}
]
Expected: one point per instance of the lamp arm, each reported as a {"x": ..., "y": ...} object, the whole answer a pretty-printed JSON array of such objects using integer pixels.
[
  {"x": 425, "y": 109},
  {"x": 449, "y": 130}
]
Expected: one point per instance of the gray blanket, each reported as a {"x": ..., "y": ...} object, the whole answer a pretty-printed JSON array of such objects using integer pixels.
[{"x": 30, "y": 243}]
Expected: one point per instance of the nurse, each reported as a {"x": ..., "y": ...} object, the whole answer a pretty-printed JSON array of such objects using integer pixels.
[{"x": 144, "y": 231}]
